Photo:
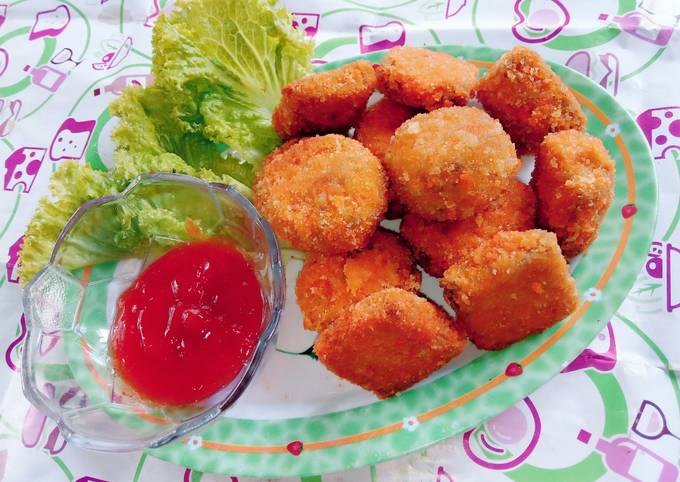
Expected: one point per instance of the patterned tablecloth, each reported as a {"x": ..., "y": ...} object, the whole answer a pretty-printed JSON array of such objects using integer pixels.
[{"x": 62, "y": 62}]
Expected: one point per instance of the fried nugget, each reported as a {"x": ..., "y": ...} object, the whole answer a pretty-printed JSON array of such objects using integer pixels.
[
  {"x": 389, "y": 341},
  {"x": 375, "y": 129},
  {"x": 425, "y": 79},
  {"x": 514, "y": 284},
  {"x": 438, "y": 245},
  {"x": 450, "y": 163},
  {"x": 528, "y": 98},
  {"x": 329, "y": 101},
  {"x": 574, "y": 179},
  {"x": 328, "y": 285},
  {"x": 324, "y": 194}
]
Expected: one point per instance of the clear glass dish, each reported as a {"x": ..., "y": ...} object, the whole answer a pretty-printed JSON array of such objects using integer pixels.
[{"x": 67, "y": 372}]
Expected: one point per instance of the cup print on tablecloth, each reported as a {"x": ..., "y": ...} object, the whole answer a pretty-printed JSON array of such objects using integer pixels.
[
  {"x": 13, "y": 351},
  {"x": 64, "y": 56},
  {"x": 112, "y": 58},
  {"x": 307, "y": 22},
  {"x": 50, "y": 23},
  {"x": 373, "y": 38},
  {"x": 71, "y": 139},
  {"x": 631, "y": 460},
  {"x": 600, "y": 355},
  {"x": 539, "y": 21},
  {"x": 651, "y": 423},
  {"x": 506, "y": 440},
  {"x": 661, "y": 127},
  {"x": 22, "y": 167}
]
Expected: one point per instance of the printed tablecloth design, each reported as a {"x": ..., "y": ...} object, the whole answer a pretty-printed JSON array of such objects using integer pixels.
[{"x": 613, "y": 413}]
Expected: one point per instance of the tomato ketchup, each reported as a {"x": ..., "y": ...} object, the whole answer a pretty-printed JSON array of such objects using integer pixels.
[{"x": 188, "y": 324}]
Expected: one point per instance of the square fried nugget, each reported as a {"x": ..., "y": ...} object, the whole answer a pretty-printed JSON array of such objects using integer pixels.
[
  {"x": 329, "y": 284},
  {"x": 574, "y": 182},
  {"x": 529, "y": 99},
  {"x": 389, "y": 341},
  {"x": 513, "y": 285}
]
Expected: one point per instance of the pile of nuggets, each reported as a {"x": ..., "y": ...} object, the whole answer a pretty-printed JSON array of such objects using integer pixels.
[{"x": 449, "y": 171}]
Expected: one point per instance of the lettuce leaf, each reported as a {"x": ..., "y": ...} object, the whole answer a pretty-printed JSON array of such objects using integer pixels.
[{"x": 219, "y": 67}]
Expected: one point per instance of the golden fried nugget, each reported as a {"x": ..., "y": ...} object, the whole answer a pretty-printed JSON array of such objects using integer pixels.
[
  {"x": 389, "y": 341},
  {"x": 514, "y": 284},
  {"x": 438, "y": 245},
  {"x": 425, "y": 79},
  {"x": 329, "y": 101},
  {"x": 324, "y": 194},
  {"x": 375, "y": 129},
  {"x": 450, "y": 163},
  {"x": 574, "y": 179},
  {"x": 528, "y": 98},
  {"x": 328, "y": 285}
]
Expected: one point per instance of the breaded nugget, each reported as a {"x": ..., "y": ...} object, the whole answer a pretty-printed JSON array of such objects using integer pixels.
[
  {"x": 438, "y": 245},
  {"x": 574, "y": 179},
  {"x": 375, "y": 129},
  {"x": 324, "y": 194},
  {"x": 328, "y": 285},
  {"x": 425, "y": 79},
  {"x": 514, "y": 284},
  {"x": 528, "y": 98},
  {"x": 389, "y": 341},
  {"x": 329, "y": 101},
  {"x": 450, "y": 163}
]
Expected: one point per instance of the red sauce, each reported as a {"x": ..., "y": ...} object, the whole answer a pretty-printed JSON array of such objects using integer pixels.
[{"x": 187, "y": 325}]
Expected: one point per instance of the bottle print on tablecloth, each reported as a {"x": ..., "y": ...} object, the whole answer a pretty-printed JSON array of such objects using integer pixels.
[
  {"x": 641, "y": 25},
  {"x": 630, "y": 460},
  {"x": 539, "y": 21},
  {"x": 650, "y": 422},
  {"x": 46, "y": 77},
  {"x": 33, "y": 429},
  {"x": 373, "y": 38},
  {"x": 117, "y": 86},
  {"x": 22, "y": 167},
  {"x": 50, "y": 23}
]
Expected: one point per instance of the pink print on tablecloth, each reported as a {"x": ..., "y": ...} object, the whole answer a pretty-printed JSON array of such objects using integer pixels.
[
  {"x": 600, "y": 355},
  {"x": 13, "y": 260},
  {"x": 63, "y": 56},
  {"x": 71, "y": 139},
  {"x": 22, "y": 167},
  {"x": 4, "y": 61},
  {"x": 605, "y": 70},
  {"x": 661, "y": 127},
  {"x": 506, "y": 440},
  {"x": 113, "y": 58},
  {"x": 9, "y": 114},
  {"x": 50, "y": 23},
  {"x": 373, "y": 38},
  {"x": 12, "y": 353},
  {"x": 453, "y": 7},
  {"x": 544, "y": 20},
  {"x": 155, "y": 11},
  {"x": 307, "y": 22},
  {"x": 3, "y": 17},
  {"x": 119, "y": 83},
  {"x": 642, "y": 26}
]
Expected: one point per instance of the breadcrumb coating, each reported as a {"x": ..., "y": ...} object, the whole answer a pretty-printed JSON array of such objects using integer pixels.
[
  {"x": 425, "y": 79},
  {"x": 529, "y": 99},
  {"x": 329, "y": 285},
  {"x": 513, "y": 285},
  {"x": 329, "y": 101},
  {"x": 388, "y": 341},
  {"x": 324, "y": 194},
  {"x": 574, "y": 179},
  {"x": 450, "y": 163}
]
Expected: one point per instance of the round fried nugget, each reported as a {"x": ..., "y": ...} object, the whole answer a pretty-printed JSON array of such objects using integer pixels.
[
  {"x": 328, "y": 285},
  {"x": 529, "y": 99},
  {"x": 389, "y": 341},
  {"x": 514, "y": 284},
  {"x": 329, "y": 101},
  {"x": 574, "y": 182},
  {"x": 375, "y": 129},
  {"x": 425, "y": 79},
  {"x": 324, "y": 194},
  {"x": 438, "y": 245},
  {"x": 450, "y": 163}
]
